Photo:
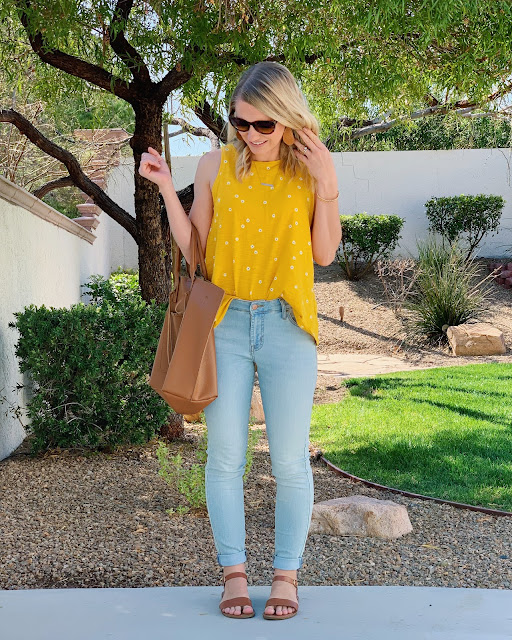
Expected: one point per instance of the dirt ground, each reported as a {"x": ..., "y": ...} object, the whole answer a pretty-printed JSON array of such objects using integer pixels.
[{"x": 371, "y": 326}]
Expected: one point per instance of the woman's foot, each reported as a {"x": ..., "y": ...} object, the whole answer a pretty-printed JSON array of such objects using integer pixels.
[
  {"x": 282, "y": 589},
  {"x": 235, "y": 588}
]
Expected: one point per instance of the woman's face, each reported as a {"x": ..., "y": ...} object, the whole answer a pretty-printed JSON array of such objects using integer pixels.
[{"x": 263, "y": 147}]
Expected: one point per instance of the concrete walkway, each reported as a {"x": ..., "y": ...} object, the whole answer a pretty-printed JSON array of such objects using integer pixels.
[
  {"x": 165, "y": 613},
  {"x": 357, "y": 365}
]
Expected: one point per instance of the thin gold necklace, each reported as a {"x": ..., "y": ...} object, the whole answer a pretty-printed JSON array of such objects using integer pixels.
[{"x": 265, "y": 184}]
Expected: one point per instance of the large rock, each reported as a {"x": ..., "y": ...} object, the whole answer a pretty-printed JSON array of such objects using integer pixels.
[
  {"x": 360, "y": 516},
  {"x": 478, "y": 339}
]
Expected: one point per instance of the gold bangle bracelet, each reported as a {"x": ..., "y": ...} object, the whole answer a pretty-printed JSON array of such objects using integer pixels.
[{"x": 325, "y": 199}]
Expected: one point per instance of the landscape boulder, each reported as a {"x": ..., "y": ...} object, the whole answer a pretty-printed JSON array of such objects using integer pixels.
[
  {"x": 477, "y": 339},
  {"x": 360, "y": 516}
]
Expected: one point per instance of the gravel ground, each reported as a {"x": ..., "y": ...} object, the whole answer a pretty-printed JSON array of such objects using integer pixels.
[
  {"x": 68, "y": 520},
  {"x": 99, "y": 520},
  {"x": 370, "y": 326}
]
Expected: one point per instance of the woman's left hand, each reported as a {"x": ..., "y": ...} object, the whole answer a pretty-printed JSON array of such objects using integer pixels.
[{"x": 316, "y": 156}]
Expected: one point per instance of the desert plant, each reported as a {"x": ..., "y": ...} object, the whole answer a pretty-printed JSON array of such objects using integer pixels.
[
  {"x": 397, "y": 278},
  {"x": 190, "y": 482},
  {"x": 448, "y": 291},
  {"x": 366, "y": 239},
  {"x": 465, "y": 219}
]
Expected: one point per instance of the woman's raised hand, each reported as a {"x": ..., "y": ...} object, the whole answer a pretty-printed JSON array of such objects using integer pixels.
[
  {"x": 316, "y": 156},
  {"x": 153, "y": 167}
]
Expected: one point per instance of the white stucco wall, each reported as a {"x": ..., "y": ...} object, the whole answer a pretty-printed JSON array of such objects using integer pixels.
[
  {"x": 400, "y": 182},
  {"x": 44, "y": 258},
  {"x": 122, "y": 248}
]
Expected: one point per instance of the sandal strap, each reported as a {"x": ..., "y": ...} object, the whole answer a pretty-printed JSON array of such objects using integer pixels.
[
  {"x": 235, "y": 602},
  {"x": 235, "y": 574},
  {"x": 287, "y": 579},
  {"x": 279, "y": 602}
]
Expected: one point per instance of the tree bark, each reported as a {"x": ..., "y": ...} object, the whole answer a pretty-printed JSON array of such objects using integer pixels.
[{"x": 154, "y": 277}]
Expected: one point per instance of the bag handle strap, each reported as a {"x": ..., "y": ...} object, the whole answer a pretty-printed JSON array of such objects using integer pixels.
[{"x": 197, "y": 256}]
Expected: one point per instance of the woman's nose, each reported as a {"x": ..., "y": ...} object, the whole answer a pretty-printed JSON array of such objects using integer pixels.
[{"x": 252, "y": 134}]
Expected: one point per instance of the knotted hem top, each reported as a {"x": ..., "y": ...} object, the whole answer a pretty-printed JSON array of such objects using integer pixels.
[{"x": 259, "y": 243}]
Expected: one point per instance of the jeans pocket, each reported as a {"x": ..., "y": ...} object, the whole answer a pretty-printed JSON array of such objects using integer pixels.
[{"x": 290, "y": 315}]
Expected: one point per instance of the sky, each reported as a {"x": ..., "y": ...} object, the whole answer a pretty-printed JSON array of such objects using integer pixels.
[{"x": 186, "y": 144}]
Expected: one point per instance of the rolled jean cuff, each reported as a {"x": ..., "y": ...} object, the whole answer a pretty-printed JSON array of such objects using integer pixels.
[
  {"x": 228, "y": 559},
  {"x": 287, "y": 563}
]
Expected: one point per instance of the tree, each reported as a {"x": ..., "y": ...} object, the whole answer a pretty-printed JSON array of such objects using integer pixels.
[
  {"x": 347, "y": 56},
  {"x": 444, "y": 131}
]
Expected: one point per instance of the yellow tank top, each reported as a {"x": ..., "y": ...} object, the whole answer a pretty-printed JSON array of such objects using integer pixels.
[{"x": 259, "y": 243}]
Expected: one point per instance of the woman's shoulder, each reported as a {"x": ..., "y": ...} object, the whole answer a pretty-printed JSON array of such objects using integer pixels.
[
  {"x": 211, "y": 157},
  {"x": 214, "y": 157},
  {"x": 208, "y": 166}
]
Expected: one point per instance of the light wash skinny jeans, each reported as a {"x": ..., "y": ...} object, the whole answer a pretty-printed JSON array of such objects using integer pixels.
[{"x": 265, "y": 333}]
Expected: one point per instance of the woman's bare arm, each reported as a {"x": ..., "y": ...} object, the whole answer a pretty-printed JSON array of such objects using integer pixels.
[{"x": 154, "y": 168}]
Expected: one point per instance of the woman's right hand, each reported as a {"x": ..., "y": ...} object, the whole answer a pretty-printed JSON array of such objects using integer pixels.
[{"x": 153, "y": 167}]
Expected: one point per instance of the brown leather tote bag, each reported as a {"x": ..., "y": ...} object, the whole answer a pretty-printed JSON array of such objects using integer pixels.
[{"x": 184, "y": 372}]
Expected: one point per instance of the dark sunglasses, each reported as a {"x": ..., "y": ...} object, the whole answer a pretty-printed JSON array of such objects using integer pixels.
[{"x": 266, "y": 127}]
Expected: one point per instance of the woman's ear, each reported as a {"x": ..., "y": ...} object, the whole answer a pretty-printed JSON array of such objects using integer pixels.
[{"x": 288, "y": 137}]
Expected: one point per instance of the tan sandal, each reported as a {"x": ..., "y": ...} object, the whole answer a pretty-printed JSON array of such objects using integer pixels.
[
  {"x": 276, "y": 602},
  {"x": 241, "y": 602}
]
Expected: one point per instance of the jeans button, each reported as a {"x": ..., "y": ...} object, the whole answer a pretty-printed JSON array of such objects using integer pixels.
[{"x": 254, "y": 306}]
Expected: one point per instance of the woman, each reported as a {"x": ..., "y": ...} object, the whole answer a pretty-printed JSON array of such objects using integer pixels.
[{"x": 265, "y": 206}]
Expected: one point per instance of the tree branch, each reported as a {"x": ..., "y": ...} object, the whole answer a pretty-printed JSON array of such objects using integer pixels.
[
  {"x": 128, "y": 54},
  {"x": 66, "y": 181},
  {"x": 195, "y": 131},
  {"x": 173, "y": 79},
  {"x": 462, "y": 107},
  {"x": 212, "y": 120},
  {"x": 73, "y": 65},
  {"x": 76, "y": 174}
]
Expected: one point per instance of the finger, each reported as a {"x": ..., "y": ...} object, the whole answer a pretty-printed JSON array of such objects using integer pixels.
[
  {"x": 150, "y": 164},
  {"x": 148, "y": 159},
  {"x": 154, "y": 152},
  {"x": 311, "y": 139},
  {"x": 301, "y": 156},
  {"x": 304, "y": 147}
]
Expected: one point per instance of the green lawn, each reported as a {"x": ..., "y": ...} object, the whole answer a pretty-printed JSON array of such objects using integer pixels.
[{"x": 443, "y": 432}]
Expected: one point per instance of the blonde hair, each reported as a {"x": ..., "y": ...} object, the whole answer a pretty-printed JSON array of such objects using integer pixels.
[{"x": 271, "y": 88}]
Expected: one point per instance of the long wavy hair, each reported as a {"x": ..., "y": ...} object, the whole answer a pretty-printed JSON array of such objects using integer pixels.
[{"x": 271, "y": 88}]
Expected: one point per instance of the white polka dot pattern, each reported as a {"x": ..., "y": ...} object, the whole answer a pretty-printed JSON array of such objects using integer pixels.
[{"x": 255, "y": 222}]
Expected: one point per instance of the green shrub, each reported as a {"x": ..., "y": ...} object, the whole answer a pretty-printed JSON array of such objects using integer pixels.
[
  {"x": 445, "y": 293},
  {"x": 465, "y": 219},
  {"x": 90, "y": 367},
  {"x": 190, "y": 482},
  {"x": 122, "y": 287},
  {"x": 366, "y": 239}
]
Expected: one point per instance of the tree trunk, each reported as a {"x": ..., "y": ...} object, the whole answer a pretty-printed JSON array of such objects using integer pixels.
[
  {"x": 155, "y": 256},
  {"x": 154, "y": 251},
  {"x": 174, "y": 429}
]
